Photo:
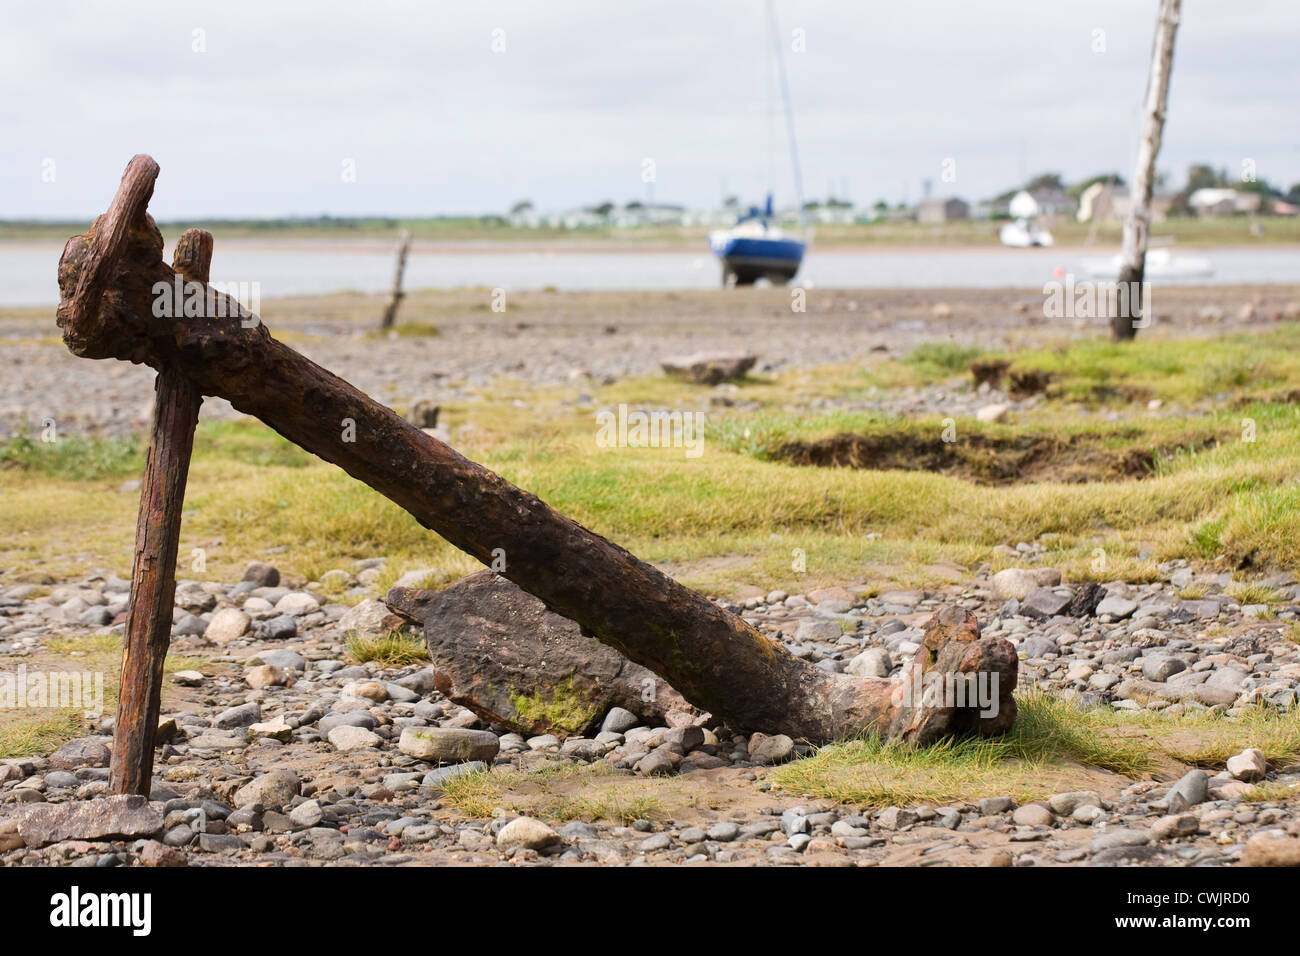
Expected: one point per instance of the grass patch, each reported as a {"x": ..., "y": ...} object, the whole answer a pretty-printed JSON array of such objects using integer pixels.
[
  {"x": 396, "y": 649},
  {"x": 409, "y": 330},
  {"x": 1201, "y": 487},
  {"x": 1049, "y": 735},
  {"x": 38, "y": 732},
  {"x": 1272, "y": 792},
  {"x": 1208, "y": 741},
  {"x": 1245, "y": 593},
  {"x": 936, "y": 361},
  {"x": 74, "y": 458}
]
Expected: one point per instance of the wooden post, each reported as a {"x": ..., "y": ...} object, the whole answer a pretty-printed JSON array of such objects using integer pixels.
[
  {"x": 1133, "y": 255},
  {"x": 390, "y": 313},
  {"x": 157, "y": 534}
]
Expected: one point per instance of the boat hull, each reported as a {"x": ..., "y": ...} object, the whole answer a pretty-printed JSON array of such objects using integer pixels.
[{"x": 751, "y": 259}]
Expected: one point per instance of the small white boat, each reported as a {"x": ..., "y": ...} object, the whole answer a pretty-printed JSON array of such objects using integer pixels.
[
  {"x": 1161, "y": 263},
  {"x": 1024, "y": 234}
]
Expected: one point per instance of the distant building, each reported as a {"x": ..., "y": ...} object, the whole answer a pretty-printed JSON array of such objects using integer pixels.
[
  {"x": 1223, "y": 202},
  {"x": 649, "y": 214},
  {"x": 832, "y": 214},
  {"x": 942, "y": 210},
  {"x": 1053, "y": 202}
]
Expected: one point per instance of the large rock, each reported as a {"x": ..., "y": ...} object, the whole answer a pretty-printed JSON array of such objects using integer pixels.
[
  {"x": 448, "y": 744},
  {"x": 103, "y": 818},
  {"x": 1271, "y": 849},
  {"x": 83, "y": 752},
  {"x": 873, "y": 662},
  {"x": 709, "y": 369},
  {"x": 261, "y": 574},
  {"x": 1142, "y": 690},
  {"x": 1116, "y": 607},
  {"x": 500, "y": 652},
  {"x": 1018, "y": 582},
  {"x": 191, "y": 596},
  {"x": 347, "y": 739},
  {"x": 528, "y": 833},
  {"x": 228, "y": 624},
  {"x": 271, "y": 790},
  {"x": 370, "y": 618},
  {"x": 297, "y": 603},
  {"x": 1043, "y": 603},
  {"x": 1248, "y": 765},
  {"x": 1192, "y": 788}
]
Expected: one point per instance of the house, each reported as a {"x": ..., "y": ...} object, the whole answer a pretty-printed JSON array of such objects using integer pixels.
[
  {"x": 1053, "y": 202},
  {"x": 649, "y": 214},
  {"x": 942, "y": 210},
  {"x": 1223, "y": 202}
]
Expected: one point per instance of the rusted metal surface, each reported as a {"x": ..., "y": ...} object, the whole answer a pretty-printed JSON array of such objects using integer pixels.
[{"x": 716, "y": 660}]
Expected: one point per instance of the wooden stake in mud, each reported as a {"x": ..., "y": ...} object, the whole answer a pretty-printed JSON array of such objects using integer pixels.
[
  {"x": 157, "y": 534},
  {"x": 390, "y": 312},
  {"x": 1128, "y": 316}
]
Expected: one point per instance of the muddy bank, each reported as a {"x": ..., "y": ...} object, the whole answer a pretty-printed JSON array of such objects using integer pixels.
[{"x": 577, "y": 339}]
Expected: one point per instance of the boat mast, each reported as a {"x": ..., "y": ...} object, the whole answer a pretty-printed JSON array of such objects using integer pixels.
[{"x": 779, "y": 53}]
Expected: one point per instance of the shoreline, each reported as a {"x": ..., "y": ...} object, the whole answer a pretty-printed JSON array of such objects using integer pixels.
[{"x": 384, "y": 245}]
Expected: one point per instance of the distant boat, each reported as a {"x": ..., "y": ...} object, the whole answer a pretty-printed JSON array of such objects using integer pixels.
[
  {"x": 1025, "y": 232},
  {"x": 1160, "y": 264},
  {"x": 756, "y": 249}
]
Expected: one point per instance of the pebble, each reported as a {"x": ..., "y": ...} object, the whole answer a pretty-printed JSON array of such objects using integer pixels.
[
  {"x": 228, "y": 624},
  {"x": 1249, "y": 765},
  {"x": 1032, "y": 815},
  {"x": 314, "y": 697},
  {"x": 346, "y": 738},
  {"x": 448, "y": 744}
]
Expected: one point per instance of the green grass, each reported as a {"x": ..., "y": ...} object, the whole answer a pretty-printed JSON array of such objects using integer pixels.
[
  {"x": 734, "y": 516},
  {"x": 38, "y": 732},
  {"x": 74, "y": 458},
  {"x": 1188, "y": 370},
  {"x": 391, "y": 650},
  {"x": 935, "y": 361},
  {"x": 1046, "y": 751},
  {"x": 1272, "y": 792},
  {"x": 1048, "y": 735},
  {"x": 1254, "y": 594},
  {"x": 411, "y": 330},
  {"x": 1207, "y": 740}
]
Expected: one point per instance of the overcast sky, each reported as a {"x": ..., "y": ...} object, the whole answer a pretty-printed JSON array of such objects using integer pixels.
[{"x": 263, "y": 121}]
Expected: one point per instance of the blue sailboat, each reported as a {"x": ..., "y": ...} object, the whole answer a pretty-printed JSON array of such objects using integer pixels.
[{"x": 755, "y": 248}]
